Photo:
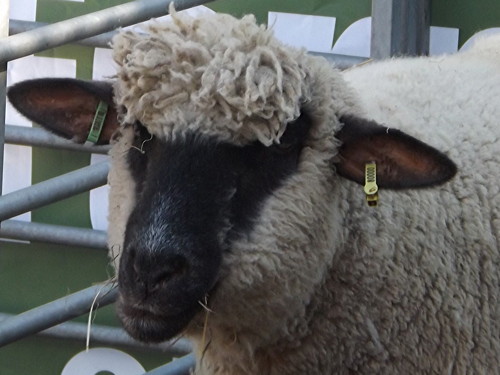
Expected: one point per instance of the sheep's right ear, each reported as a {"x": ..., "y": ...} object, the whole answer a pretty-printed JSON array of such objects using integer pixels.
[
  {"x": 67, "y": 106},
  {"x": 402, "y": 161}
]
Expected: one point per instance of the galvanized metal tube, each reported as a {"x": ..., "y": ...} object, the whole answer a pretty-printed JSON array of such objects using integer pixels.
[
  {"x": 112, "y": 336},
  {"x": 53, "y": 190},
  {"x": 55, "y": 312},
  {"x": 3, "y": 93},
  {"x": 26, "y": 136},
  {"x": 86, "y": 26},
  {"x": 179, "y": 366},
  {"x": 400, "y": 27},
  {"x": 56, "y": 234},
  {"x": 4, "y": 31},
  {"x": 101, "y": 40},
  {"x": 341, "y": 61}
]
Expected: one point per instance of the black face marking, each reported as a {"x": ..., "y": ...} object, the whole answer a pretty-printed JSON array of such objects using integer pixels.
[
  {"x": 194, "y": 197},
  {"x": 137, "y": 158}
]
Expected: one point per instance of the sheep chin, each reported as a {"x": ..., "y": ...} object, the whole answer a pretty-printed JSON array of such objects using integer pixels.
[{"x": 151, "y": 327}]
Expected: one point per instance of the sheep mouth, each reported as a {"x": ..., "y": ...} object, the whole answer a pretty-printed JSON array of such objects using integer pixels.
[{"x": 148, "y": 325}]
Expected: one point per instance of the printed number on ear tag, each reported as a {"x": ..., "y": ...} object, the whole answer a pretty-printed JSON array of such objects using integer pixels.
[{"x": 102, "y": 361}]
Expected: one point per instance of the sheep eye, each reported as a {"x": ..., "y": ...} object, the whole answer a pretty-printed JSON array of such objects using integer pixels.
[
  {"x": 140, "y": 130},
  {"x": 141, "y": 137},
  {"x": 286, "y": 146},
  {"x": 294, "y": 135}
]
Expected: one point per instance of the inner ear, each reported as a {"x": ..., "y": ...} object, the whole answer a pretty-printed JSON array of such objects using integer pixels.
[
  {"x": 402, "y": 161},
  {"x": 66, "y": 107}
]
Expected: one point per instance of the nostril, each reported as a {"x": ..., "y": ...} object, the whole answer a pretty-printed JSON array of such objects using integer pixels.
[
  {"x": 178, "y": 264},
  {"x": 174, "y": 266},
  {"x": 152, "y": 274},
  {"x": 138, "y": 277}
]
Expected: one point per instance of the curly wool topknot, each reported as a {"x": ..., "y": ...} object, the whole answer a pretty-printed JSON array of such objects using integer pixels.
[{"x": 224, "y": 76}]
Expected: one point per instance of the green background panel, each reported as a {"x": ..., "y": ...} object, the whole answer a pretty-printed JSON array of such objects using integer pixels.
[
  {"x": 44, "y": 272},
  {"x": 346, "y": 11},
  {"x": 38, "y": 356},
  {"x": 36, "y": 273},
  {"x": 468, "y": 16}
]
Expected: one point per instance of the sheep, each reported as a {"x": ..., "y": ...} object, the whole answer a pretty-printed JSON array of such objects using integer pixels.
[{"x": 237, "y": 215}]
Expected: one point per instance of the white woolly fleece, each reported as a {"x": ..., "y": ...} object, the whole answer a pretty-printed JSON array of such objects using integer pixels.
[
  {"x": 325, "y": 284},
  {"x": 121, "y": 194},
  {"x": 218, "y": 75}
]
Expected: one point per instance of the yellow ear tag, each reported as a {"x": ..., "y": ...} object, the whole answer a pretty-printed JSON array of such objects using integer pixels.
[{"x": 371, "y": 187}]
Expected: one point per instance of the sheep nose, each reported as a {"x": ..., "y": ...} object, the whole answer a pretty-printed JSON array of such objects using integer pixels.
[{"x": 153, "y": 273}]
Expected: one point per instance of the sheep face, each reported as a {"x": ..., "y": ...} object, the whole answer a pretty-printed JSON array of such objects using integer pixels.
[
  {"x": 187, "y": 214},
  {"x": 239, "y": 99}
]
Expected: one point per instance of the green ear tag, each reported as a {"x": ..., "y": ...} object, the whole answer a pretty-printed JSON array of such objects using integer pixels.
[{"x": 97, "y": 123}]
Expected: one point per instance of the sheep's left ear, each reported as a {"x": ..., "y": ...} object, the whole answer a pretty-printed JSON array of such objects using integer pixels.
[
  {"x": 70, "y": 108},
  {"x": 402, "y": 161}
]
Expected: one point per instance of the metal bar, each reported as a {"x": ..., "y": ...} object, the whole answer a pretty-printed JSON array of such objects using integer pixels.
[
  {"x": 57, "y": 234},
  {"x": 3, "y": 98},
  {"x": 4, "y": 31},
  {"x": 101, "y": 40},
  {"x": 112, "y": 336},
  {"x": 179, "y": 366},
  {"x": 340, "y": 61},
  {"x": 400, "y": 27},
  {"x": 55, "y": 312},
  {"x": 26, "y": 136},
  {"x": 104, "y": 40},
  {"x": 53, "y": 190},
  {"x": 87, "y": 25}
]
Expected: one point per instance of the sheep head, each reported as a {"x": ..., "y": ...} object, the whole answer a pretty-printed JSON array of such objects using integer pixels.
[{"x": 227, "y": 153}]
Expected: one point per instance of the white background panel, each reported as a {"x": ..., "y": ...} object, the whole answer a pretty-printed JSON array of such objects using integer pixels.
[
  {"x": 23, "y": 10},
  {"x": 299, "y": 30}
]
